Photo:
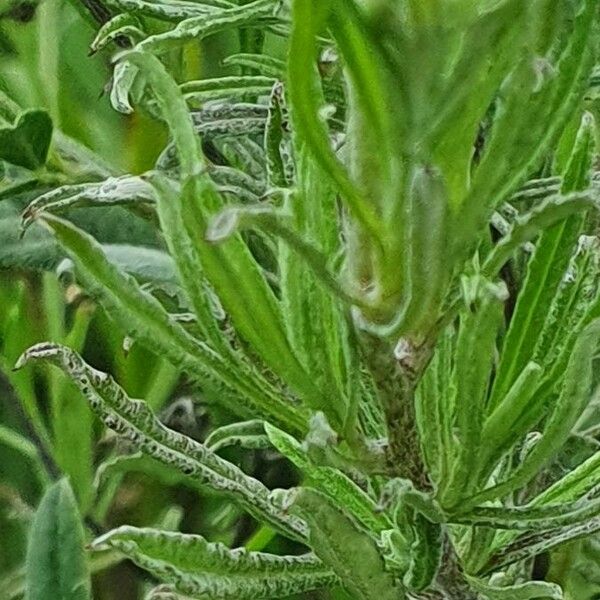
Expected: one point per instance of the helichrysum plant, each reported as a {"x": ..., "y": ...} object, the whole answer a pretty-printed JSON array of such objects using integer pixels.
[{"x": 387, "y": 270}]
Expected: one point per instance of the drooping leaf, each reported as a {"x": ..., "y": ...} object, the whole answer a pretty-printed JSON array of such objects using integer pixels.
[
  {"x": 206, "y": 570},
  {"x": 522, "y": 591},
  {"x": 115, "y": 191},
  {"x": 134, "y": 420}
]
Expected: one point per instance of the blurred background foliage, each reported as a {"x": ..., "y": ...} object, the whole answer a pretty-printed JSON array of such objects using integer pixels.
[{"x": 46, "y": 428}]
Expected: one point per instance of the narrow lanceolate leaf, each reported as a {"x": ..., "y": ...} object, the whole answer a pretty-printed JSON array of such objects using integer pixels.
[
  {"x": 228, "y": 178},
  {"x": 429, "y": 241},
  {"x": 537, "y": 189},
  {"x": 473, "y": 362},
  {"x": 538, "y": 518},
  {"x": 536, "y": 106},
  {"x": 315, "y": 317},
  {"x": 243, "y": 290},
  {"x": 229, "y": 267},
  {"x": 350, "y": 552},
  {"x": 233, "y": 219},
  {"x": 274, "y": 133},
  {"x": 574, "y": 484},
  {"x": 568, "y": 407},
  {"x": 576, "y": 293},
  {"x": 342, "y": 490},
  {"x": 235, "y": 87},
  {"x": 194, "y": 28},
  {"x": 174, "y": 10},
  {"x": 208, "y": 570},
  {"x": 304, "y": 91},
  {"x": 521, "y": 591},
  {"x": 504, "y": 427},
  {"x": 575, "y": 487},
  {"x": 117, "y": 466},
  {"x": 544, "y": 273},
  {"x": 541, "y": 217},
  {"x": 532, "y": 544},
  {"x": 135, "y": 421},
  {"x": 247, "y": 434},
  {"x": 228, "y": 128},
  {"x": 125, "y": 190},
  {"x": 265, "y": 65},
  {"x": 435, "y": 408},
  {"x": 188, "y": 262},
  {"x": 56, "y": 565},
  {"x": 246, "y": 155},
  {"x": 124, "y": 24},
  {"x": 425, "y": 554},
  {"x": 143, "y": 316},
  {"x": 361, "y": 53}
]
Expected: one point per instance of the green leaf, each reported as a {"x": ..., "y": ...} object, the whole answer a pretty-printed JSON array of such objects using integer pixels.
[
  {"x": 174, "y": 10},
  {"x": 314, "y": 301},
  {"x": 232, "y": 87},
  {"x": 247, "y": 434},
  {"x": 426, "y": 553},
  {"x": 430, "y": 242},
  {"x": 230, "y": 267},
  {"x": 533, "y": 112},
  {"x": 26, "y": 143},
  {"x": 573, "y": 397},
  {"x": 134, "y": 420},
  {"x": 265, "y": 65},
  {"x": 341, "y": 544},
  {"x": 243, "y": 290},
  {"x": 533, "y": 544},
  {"x": 474, "y": 354},
  {"x": 541, "y": 217},
  {"x": 308, "y": 18},
  {"x": 144, "y": 317},
  {"x": 504, "y": 427},
  {"x": 257, "y": 12},
  {"x": 188, "y": 263},
  {"x": 342, "y": 490},
  {"x": 435, "y": 409},
  {"x": 521, "y": 591},
  {"x": 274, "y": 136},
  {"x": 142, "y": 463},
  {"x": 126, "y": 190},
  {"x": 544, "y": 274},
  {"x": 121, "y": 25},
  {"x": 56, "y": 562},
  {"x": 211, "y": 570}
]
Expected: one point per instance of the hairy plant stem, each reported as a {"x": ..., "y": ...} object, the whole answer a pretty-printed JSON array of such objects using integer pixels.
[{"x": 397, "y": 377}]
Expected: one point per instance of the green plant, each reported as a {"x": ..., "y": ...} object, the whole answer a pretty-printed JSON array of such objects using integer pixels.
[{"x": 340, "y": 290}]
